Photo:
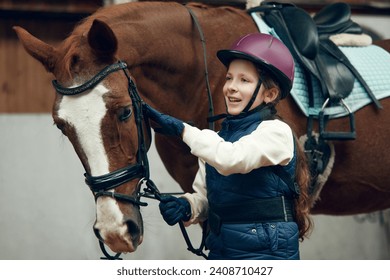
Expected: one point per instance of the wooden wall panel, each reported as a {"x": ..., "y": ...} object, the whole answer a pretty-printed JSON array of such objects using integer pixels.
[
  {"x": 24, "y": 83},
  {"x": 51, "y": 6},
  {"x": 25, "y": 86}
]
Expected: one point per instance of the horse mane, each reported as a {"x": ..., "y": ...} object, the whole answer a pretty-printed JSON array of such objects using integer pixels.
[{"x": 67, "y": 60}]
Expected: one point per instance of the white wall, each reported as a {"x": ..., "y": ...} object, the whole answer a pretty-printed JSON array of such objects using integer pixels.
[
  {"x": 47, "y": 211},
  {"x": 379, "y": 24}
]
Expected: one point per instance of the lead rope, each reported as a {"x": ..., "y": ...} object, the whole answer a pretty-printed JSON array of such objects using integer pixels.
[
  {"x": 198, "y": 251},
  {"x": 151, "y": 191},
  {"x": 107, "y": 256}
]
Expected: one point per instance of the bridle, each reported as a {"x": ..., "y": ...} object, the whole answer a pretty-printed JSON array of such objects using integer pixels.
[{"x": 101, "y": 185}]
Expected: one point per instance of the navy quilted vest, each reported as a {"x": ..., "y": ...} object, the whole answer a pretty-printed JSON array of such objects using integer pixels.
[{"x": 252, "y": 240}]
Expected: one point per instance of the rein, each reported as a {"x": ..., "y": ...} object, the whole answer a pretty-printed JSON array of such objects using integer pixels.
[{"x": 206, "y": 71}]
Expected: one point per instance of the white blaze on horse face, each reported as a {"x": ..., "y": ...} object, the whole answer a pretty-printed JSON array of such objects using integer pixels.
[{"x": 85, "y": 113}]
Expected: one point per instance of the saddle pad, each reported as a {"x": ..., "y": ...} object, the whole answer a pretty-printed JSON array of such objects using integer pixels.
[{"x": 372, "y": 62}]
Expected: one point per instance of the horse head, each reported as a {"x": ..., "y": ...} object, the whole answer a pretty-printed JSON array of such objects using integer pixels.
[{"x": 96, "y": 109}]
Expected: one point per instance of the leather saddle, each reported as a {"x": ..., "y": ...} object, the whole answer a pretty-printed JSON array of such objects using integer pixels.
[{"x": 308, "y": 40}]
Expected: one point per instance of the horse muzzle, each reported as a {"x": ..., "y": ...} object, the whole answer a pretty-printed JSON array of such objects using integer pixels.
[
  {"x": 118, "y": 225},
  {"x": 123, "y": 239}
]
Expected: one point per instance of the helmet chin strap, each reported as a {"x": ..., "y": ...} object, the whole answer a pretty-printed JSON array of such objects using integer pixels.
[
  {"x": 246, "y": 109},
  {"x": 252, "y": 100}
]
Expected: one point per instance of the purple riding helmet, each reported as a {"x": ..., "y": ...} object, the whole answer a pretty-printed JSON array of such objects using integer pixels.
[{"x": 266, "y": 51}]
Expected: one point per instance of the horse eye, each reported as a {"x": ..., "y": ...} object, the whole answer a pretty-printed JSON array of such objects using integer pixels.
[{"x": 124, "y": 113}]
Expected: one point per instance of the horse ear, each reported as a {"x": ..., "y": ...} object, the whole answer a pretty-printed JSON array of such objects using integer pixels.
[
  {"x": 38, "y": 49},
  {"x": 102, "y": 40}
]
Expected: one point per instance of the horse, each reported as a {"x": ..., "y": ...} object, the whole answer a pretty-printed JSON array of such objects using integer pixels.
[{"x": 155, "y": 49}]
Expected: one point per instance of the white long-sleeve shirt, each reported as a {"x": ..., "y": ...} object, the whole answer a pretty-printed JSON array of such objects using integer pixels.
[{"x": 271, "y": 143}]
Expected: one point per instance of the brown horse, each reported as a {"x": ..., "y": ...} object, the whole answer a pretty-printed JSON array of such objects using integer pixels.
[{"x": 162, "y": 49}]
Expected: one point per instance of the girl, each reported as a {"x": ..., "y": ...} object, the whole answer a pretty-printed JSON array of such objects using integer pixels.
[{"x": 253, "y": 178}]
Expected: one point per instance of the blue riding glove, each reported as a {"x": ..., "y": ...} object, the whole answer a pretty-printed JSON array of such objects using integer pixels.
[
  {"x": 169, "y": 125},
  {"x": 174, "y": 209}
]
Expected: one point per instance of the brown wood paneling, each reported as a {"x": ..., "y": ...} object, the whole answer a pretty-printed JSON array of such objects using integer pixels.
[
  {"x": 25, "y": 86},
  {"x": 70, "y": 6}
]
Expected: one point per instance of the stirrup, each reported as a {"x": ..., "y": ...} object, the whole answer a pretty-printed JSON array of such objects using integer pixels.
[{"x": 336, "y": 135}]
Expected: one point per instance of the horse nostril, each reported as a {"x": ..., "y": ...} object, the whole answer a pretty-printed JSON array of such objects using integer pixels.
[
  {"x": 133, "y": 229},
  {"x": 97, "y": 233}
]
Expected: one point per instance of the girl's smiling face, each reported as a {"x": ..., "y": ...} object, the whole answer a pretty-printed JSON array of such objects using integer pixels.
[{"x": 241, "y": 81}]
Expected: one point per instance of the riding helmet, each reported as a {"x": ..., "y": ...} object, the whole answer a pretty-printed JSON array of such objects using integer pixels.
[{"x": 266, "y": 51}]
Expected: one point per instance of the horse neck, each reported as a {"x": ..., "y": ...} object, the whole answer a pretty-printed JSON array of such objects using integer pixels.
[
  {"x": 167, "y": 65},
  {"x": 162, "y": 47}
]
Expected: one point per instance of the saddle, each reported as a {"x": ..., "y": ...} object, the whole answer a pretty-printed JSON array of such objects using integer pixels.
[{"x": 308, "y": 40}]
